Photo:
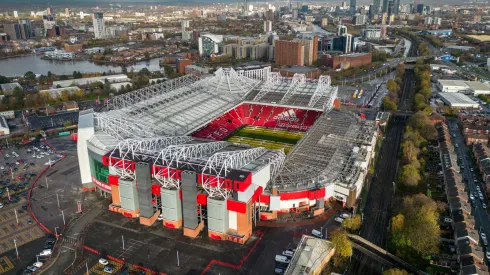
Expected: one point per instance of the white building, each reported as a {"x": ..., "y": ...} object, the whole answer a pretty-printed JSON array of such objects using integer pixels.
[
  {"x": 472, "y": 87},
  {"x": 86, "y": 81},
  {"x": 209, "y": 43},
  {"x": 56, "y": 92},
  {"x": 4, "y": 127},
  {"x": 457, "y": 100},
  {"x": 267, "y": 26},
  {"x": 360, "y": 19},
  {"x": 99, "y": 25},
  {"x": 16, "y": 14}
]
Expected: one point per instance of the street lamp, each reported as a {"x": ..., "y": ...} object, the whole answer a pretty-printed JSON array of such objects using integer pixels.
[{"x": 56, "y": 231}]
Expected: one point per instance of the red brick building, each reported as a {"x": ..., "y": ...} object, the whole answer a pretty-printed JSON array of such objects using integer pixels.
[
  {"x": 72, "y": 48},
  {"x": 289, "y": 53},
  {"x": 181, "y": 64}
]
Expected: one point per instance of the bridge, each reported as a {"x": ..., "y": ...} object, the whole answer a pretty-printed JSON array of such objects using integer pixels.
[
  {"x": 414, "y": 59},
  {"x": 381, "y": 255}
]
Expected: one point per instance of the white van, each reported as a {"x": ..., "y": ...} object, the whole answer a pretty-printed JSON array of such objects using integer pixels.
[
  {"x": 345, "y": 215},
  {"x": 288, "y": 253},
  {"x": 339, "y": 220},
  {"x": 282, "y": 259},
  {"x": 317, "y": 233}
]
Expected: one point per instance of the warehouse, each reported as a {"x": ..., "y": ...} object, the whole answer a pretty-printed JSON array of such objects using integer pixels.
[
  {"x": 458, "y": 100},
  {"x": 86, "y": 81},
  {"x": 472, "y": 87},
  {"x": 452, "y": 86}
]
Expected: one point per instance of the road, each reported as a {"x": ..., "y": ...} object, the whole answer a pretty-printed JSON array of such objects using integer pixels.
[{"x": 480, "y": 214}]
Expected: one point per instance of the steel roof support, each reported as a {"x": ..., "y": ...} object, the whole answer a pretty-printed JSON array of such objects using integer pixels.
[
  {"x": 274, "y": 79},
  {"x": 298, "y": 79}
]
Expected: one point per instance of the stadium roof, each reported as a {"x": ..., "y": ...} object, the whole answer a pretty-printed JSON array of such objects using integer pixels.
[
  {"x": 153, "y": 123},
  {"x": 334, "y": 150}
]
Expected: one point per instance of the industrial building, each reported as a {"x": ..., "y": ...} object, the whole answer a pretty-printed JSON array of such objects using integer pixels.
[
  {"x": 457, "y": 100},
  {"x": 161, "y": 150},
  {"x": 311, "y": 256},
  {"x": 472, "y": 87}
]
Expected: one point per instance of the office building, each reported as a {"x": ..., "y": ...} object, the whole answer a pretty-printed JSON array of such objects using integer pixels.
[
  {"x": 384, "y": 8},
  {"x": 421, "y": 9},
  {"x": 99, "y": 25},
  {"x": 16, "y": 14},
  {"x": 384, "y": 18},
  {"x": 67, "y": 12},
  {"x": 289, "y": 53},
  {"x": 396, "y": 7},
  {"x": 210, "y": 44},
  {"x": 353, "y": 7},
  {"x": 324, "y": 22},
  {"x": 374, "y": 9},
  {"x": 295, "y": 14},
  {"x": 184, "y": 28},
  {"x": 360, "y": 19},
  {"x": 49, "y": 21},
  {"x": 267, "y": 26},
  {"x": 12, "y": 30},
  {"x": 48, "y": 11},
  {"x": 25, "y": 29},
  {"x": 310, "y": 50},
  {"x": 374, "y": 32},
  {"x": 341, "y": 30}
]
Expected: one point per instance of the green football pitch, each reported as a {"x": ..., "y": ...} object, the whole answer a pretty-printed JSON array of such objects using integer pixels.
[{"x": 275, "y": 139}]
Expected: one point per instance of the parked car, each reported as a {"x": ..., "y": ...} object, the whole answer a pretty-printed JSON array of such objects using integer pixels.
[
  {"x": 103, "y": 261},
  {"x": 109, "y": 269},
  {"x": 45, "y": 252}
]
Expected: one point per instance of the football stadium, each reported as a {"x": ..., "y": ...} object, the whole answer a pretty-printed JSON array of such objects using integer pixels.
[{"x": 223, "y": 151}]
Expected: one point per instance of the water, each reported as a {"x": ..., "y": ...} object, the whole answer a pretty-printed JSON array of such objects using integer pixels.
[{"x": 19, "y": 66}]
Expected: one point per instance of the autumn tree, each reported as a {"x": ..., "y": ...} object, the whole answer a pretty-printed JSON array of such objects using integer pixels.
[
  {"x": 389, "y": 105},
  {"x": 410, "y": 151},
  {"x": 409, "y": 175},
  {"x": 343, "y": 246},
  {"x": 395, "y": 271},
  {"x": 353, "y": 223}
]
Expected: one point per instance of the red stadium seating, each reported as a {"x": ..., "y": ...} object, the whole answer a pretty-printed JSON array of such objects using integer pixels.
[{"x": 258, "y": 115}]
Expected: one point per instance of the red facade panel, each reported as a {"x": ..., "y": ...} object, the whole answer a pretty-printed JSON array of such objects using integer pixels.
[
  {"x": 202, "y": 199},
  {"x": 236, "y": 206},
  {"x": 320, "y": 193},
  {"x": 113, "y": 180},
  {"x": 257, "y": 194},
  {"x": 265, "y": 198},
  {"x": 155, "y": 189},
  {"x": 294, "y": 195}
]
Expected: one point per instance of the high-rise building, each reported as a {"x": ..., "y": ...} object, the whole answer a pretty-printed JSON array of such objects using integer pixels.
[
  {"x": 384, "y": 18},
  {"x": 67, "y": 12},
  {"x": 421, "y": 9},
  {"x": 25, "y": 29},
  {"x": 267, "y": 26},
  {"x": 375, "y": 8},
  {"x": 48, "y": 10},
  {"x": 99, "y": 25},
  {"x": 49, "y": 21},
  {"x": 344, "y": 5},
  {"x": 289, "y": 53},
  {"x": 385, "y": 6},
  {"x": 341, "y": 30},
  {"x": 396, "y": 7},
  {"x": 391, "y": 8},
  {"x": 184, "y": 28},
  {"x": 360, "y": 19},
  {"x": 353, "y": 6},
  {"x": 12, "y": 30},
  {"x": 324, "y": 22},
  {"x": 295, "y": 13},
  {"x": 16, "y": 14}
]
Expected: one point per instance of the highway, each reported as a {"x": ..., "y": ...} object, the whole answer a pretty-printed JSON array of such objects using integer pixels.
[{"x": 481, "y": 216}]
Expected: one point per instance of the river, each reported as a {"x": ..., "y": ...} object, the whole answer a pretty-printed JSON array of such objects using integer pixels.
[{"x": 19, "y": 66}]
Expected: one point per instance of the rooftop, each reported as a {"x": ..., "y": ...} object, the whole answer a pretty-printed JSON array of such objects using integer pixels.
[
  {"x": 310, "y": 254},
  {"x": 458, "y": 100},
  {"x": 9, "y": 86}
]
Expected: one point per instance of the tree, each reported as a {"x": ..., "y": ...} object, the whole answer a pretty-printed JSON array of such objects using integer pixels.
[
  {"x": 343, "y": 247},
  {"x": 79, "y": 94},
  {"x": 4, "y": 79},
  {"x": 409, "y": 175},
  {"x": 353, "y": 223},
  {"x": 391, "y": 85},
  {"x": 395, "y": 271},
  {"x": 65, "y": 96},
  {"x": 67, "y": 124},
  {"x": 389, "y": 105},
  {"x": 124, "y": 70},
  {"x": 97, "y": 85},
  {"x": 29, "y": 76},
  {"x": 410, "y": 151},
  {"x": 147, "y": 55}
]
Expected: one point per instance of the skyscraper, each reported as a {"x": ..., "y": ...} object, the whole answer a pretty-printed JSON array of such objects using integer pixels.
[
  {"x": 267, "y": 26},
  {"x": 396, "y": 7},
  {"x": 99, "y": 25},
  {"x": 48, "y": 10},
  {"x": 12, "y": 30},
  {"x": 184, "y": 25},
  {"x": 353, "y": 6},
  {"x": 16, "y": 14},
  {"x": 25, "y": 29},
  {"x": 375, "y": 8},
  {"x": 385, "y": 6},
  {"x": 67, "y": 12}
]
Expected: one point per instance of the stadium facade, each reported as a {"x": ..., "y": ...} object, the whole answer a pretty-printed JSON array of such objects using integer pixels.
[{"x": 162, "y": 150}]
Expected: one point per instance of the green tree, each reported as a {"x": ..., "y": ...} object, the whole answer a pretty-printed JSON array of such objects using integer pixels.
[
  {"x": 353, "y": 223},
  {"x": 4, "y": 79},
  {"x": 410, "y": 151},
  {"x": 409, "y": 175},
  {"x": 65, "y": 96},
  {"x": 391, "y": 85},
  {"x": 67, "y": 124},
  {"x": 389, "y": 105},
  {"x": 29, "y": 76},
  {"x": 395, "y": 271}
]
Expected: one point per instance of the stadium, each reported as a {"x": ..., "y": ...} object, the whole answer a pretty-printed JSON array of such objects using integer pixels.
[{"x": 223, "y": 151}]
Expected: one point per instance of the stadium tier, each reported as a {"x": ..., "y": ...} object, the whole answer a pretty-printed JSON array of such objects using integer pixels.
[{"x": 168, "y": 150}]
